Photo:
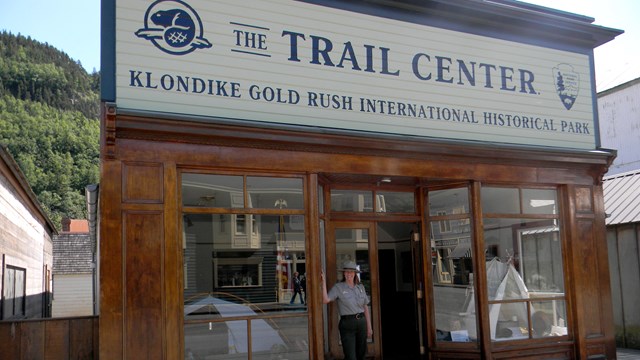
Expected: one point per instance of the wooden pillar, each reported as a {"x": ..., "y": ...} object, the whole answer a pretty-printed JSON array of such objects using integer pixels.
[{"x": 588, "y": 263}]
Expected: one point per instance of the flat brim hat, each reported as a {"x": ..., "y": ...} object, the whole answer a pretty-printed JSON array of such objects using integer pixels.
[{"x": 350, "y": 265}]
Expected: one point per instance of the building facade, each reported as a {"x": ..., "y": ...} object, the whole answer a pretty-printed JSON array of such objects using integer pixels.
[
  {"x": 447, "y": 147},
  {"x": 622, "y": 204},
  {"x": 73, "y": 270},
  {"x": 619, "y": 118},
  {"x": 618, "y": 123},
  {"x": 25, "y": 246}
]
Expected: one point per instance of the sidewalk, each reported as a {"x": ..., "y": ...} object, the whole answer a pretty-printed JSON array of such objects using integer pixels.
[{"x": 628, "y": 354}]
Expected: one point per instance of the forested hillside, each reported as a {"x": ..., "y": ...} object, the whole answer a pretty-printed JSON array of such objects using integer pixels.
[{"x": 49, "y": 107}]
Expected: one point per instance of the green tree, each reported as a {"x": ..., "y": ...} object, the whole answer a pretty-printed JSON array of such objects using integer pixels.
[{"x": 49, "y": 123}]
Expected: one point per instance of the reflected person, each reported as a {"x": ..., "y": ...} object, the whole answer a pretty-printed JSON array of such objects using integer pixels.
[{"x": 297, "y": 288}]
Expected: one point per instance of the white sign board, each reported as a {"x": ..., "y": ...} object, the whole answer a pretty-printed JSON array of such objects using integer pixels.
[{"x": 288, "y": 62}]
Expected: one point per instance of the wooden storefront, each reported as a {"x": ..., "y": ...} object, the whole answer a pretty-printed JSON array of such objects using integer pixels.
[{"x": 467, "y": 246}]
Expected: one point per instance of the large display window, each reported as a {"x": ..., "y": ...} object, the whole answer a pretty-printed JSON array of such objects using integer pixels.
[
  {"x": 524, "y": 266},
  {"x": 243, "y": 240}
]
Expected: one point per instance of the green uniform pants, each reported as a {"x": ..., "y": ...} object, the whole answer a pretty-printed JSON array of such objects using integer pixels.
[{"x": 353, "y": 333}]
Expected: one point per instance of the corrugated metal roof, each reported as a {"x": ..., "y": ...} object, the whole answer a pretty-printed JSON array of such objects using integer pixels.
[{"x": 622, "y": 198}]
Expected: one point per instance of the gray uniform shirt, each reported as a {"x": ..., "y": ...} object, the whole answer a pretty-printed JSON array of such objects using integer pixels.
[{"x": 350, "y": 300}]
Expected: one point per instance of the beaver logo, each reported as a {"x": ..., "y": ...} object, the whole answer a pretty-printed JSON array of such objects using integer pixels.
[
  {"x": 567, "y": 84},
  {"x": 173, "y": 27}
]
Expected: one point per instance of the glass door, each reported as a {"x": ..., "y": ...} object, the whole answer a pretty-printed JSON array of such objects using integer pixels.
[{"x": 353, "y": 241}]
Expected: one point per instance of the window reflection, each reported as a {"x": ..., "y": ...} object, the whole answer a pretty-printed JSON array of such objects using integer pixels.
[
  {"x": 500, "y": 200},
  {"x": 227, "y": 191},
  {"x": 238, "y": 263},
  {"x": 253, "y": 263},
  {"x": 351, "y": 200},
  {"x": 449, "y": 202},
  {"x": 395, "y": 202},
  {"x": 204, "y": 190},
  {"x": 280, "y": 338},
  {"x": 270, "y": 192},
  {"x": 525, "y": 277},
  {"x": 452, "y": 266},
  {"x": 539, "y": 201}
]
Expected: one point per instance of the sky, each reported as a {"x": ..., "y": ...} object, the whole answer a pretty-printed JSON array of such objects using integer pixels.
[{"x": 73, "y": 26}]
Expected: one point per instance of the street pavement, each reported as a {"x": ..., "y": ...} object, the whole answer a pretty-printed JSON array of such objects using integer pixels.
[{"x": 628, "y": 354}]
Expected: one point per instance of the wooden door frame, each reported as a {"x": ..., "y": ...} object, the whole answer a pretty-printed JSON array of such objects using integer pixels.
[{"x": 374, "y": 348}]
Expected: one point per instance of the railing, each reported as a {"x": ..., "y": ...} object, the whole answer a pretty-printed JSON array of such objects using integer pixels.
[{"x": 58, "y": 338}]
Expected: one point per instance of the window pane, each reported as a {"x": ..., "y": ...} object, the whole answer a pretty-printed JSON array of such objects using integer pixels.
[
  {"x": 525, "y": 258},
  {"x": 453, "y": 293},
  {"x": 539, "y": 201},
  {"x": 448, "y": 202},
  {"x": 241, "y": 264},
  {"x": 9, "y": 293},
  {"x": 280, "y": 338},
  {"x": 204, "y": 190},
  {"x": 275, "y": 193},
  {"x": 509, "y": 321},
  {"x": 351, "y": 200},
  {"x": 549, "y": 318},
  {"x": 524, "y": 262},
  {"x": 353, "y": 244},
  {"x": 542, "y": 259},
  {"x": 395, "y": 202},
  {"x": 215, "y": 340},
  {"x": 500, "y": 200},
  {"x": 19, "y": 293}
]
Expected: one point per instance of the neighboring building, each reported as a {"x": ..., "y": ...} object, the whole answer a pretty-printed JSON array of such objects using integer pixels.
[
  {"x": 619, "y": 113},
  {"x": 26, "y": 248},
  {"x": 73, "y": 270},
  {"x": 622, "y": 204},
  {"x": 448, "y": 147}
]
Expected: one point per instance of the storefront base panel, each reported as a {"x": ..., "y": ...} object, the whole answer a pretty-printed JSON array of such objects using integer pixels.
[{"x": 565, "y": 353}]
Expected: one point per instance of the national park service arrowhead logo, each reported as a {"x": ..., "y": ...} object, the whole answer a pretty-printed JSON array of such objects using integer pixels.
[
  {"x": 567, "y": 84},
  {"x": 173, "y": 27}
]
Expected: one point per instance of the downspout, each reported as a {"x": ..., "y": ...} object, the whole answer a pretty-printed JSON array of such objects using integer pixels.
[{"x": 91, "y": 196}]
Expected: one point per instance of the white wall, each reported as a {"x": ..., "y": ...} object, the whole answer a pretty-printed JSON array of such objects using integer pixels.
[
  {"x": 72, "y": 295},
  {"x": 619, "y": 113}
]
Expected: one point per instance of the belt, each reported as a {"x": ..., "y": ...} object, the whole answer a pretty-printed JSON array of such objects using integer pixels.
[{"x": 353, "y": 316}]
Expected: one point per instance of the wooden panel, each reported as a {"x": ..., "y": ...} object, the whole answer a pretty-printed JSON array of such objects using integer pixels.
[
  {"x": 50, "y": 339},
  {"x": 81, "y": 338},
  {"x": 587, "y": 279},
  {"x": 451, "y": 355},
  {"x": 111, "y": 266},
  {"x": 10, "y": 339},
  {"x": 225, "y": 145},
  {"x": 96, "y": 338},
  {"x": 537, "y": 354},
  {"x": 32, "y": 340},
  {"x": 314, "y": 299},
  {"x": 143, "y": 232},
  {"x": 57, "y": 340},
  {"x": 596, "y": 351},
  {"x": 142, "y": 183},
  {"x": 584, "y": 200}
]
